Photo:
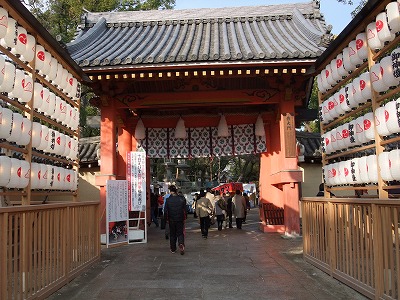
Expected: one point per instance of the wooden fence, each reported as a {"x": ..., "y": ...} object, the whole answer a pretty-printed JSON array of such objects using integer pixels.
[
  {"x": 43, "y": 247},
  {"x": 355, "y": 241}
]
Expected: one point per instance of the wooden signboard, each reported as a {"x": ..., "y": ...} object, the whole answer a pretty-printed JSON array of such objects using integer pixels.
[{"x": 289, "y": 135}]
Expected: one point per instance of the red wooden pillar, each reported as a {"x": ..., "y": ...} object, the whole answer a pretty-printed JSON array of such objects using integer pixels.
[
  {"x": 124, "y": 146},
  {"x": 107, "y": 156}
]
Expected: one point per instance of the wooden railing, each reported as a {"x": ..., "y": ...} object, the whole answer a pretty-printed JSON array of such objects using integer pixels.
[
  {"x": 356, "y": 241},
  {"x": 43, "y": 247}
]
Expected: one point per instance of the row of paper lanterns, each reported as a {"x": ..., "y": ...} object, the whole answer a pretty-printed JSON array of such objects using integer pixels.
[
  {"x": 380, "y": 78},
  {"x": 16, "y": 38},
  {"x": 361, "y": 130},
  {"x": 20, "y": 130},
  {"x": 364, "y": 170},
  {"x": 16, "y": 173},
  {"x": 20, "y": 85},
  {"x": 377, "y": 33}
]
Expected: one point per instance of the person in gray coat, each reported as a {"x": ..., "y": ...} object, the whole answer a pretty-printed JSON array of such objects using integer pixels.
[{"x": 239, "y": 203}]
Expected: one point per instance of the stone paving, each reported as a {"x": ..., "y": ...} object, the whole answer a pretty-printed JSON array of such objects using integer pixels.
[{"x": 230, "y": 264}]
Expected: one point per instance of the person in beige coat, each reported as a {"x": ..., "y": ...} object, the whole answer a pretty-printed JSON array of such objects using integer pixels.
[
  {"x": 239, "y": 203},
  {"x": 203, "y": 210}
]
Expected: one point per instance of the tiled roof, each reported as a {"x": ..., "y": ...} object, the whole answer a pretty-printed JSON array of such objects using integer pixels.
[
  {"x": 89, "y": 150},
  {"x": 311, "y": 142},
  {"x": 272, "y": 32}
]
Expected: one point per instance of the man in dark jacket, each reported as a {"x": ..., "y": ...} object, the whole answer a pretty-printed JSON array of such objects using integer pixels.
[{"x": 175, "y": 213}]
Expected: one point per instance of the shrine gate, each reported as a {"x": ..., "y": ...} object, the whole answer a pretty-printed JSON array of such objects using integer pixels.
[{"x": 247, "y": 65}]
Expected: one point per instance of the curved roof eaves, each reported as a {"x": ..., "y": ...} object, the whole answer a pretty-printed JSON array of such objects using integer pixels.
[{"x": 88, "y": 37}]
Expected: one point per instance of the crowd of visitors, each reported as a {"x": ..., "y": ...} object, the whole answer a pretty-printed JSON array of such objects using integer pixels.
[{"x": 209, "y": 207}]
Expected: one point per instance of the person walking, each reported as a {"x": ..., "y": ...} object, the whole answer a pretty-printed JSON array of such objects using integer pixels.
[
  {"x": 239, "y": 207},
  {"x": 229, "y": 208},
  {"x": 220, "y": 209},
  {"x": 203, "y": 210},
  {"x": 154, "y": 208},
  {"x": 175, "y": 211}
]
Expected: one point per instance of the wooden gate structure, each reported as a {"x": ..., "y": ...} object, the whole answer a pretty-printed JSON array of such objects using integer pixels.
[{"x": 199, "y": 65}]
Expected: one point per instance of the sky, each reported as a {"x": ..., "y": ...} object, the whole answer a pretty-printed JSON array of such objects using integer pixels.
[{"x": 336, "y": 14}]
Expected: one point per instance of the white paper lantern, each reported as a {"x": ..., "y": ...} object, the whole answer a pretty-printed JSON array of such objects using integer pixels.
[
  {"x": 10, "y": 39},
  {"x": 352, "y": 134},
  {"x": 394, "y": 161},
  {"x": 376, "y": 74},
  {"x": 382, "y": 28},
  {"x": 343, "y": 100},
  {"x": 36, "y": 134},
  {"x": 325, "y": 175},
  {"x": 26, "y": 132},
  {"x": 45, "y": 95},
  {"x": 39, "y": 57},
  {"x": 67, "y": 147},
  {"x": 372, "y": 168},
  {"x": 68, "y": 115},
  {"x": 58, "y": 78},
  {"x": 354, "y": 59},
  {"x": 335, "y": 173},
  {"x": 57, "y": 108},
  {"x": 6, "y": 122},
  {"x": 355, "y": 171},
  {"x": 331, "y": 108},
  {"x": 345, "y": 172},
  {"x": 324, "y": 79},
  {"x": 60, "y": 143},
  {"x": 350, "y": 91},
  {"x": 15, "y": 173},
  {"x": 22, "y": 176},
  {"x": 3, "y": 22},
  {"x": 334, "y": 143},
  {"x": 340, "y": 67},
  {"x": 27, "y": 85},
  {"x": 22, "y": 40},
  {"x": 346, "y": 135},
  {"x": 63, "y": 111},
  {"x": 44, "y": 138},
  {"x": 339, "y": 138},
  {"x": 380, "y": 121},
  {"x": 393, "y": 16},
  {"x": 5, "y": 169},
  {"x": 395, "y": 55},
  {"x": 75, "y": 120},
  {"x": 45, "y": 70},
  {"x": 37, "y": 95},
  {"x": 329, "y": 76},
  {"x": 369, "y": 126},
  {"x": 43, "y": 176},
  {"x": 361, "y": 46},
  {"x": 384, "y": 166},
  {"x": 52, "y": 141},
  {"x": 50, "y": 177},
  {"x": 69, "y": 179},
  {"x": 9, "y": 77},
  {"x": 35, "y": 176},
  {"x": 16, "y": 128},
  {"x": 70, "y": 83},
  {"x": 388, "y": 73},
  {"x": 335, "y": 75},
  {"x": 342, "y": 175},
  {"x": 29, "y": 53},
  {"x": 360, "y": 133},
  {"x": 372, "y": 37},
  {"x": 52, "y": 106},
  {"x": 64, "y": 82},
  {"x": 58, "y": 178},
  {"x": 53, "y": 69},
  {"x": 392, "y": 110},
  {"x": 75, "y": 179},
  {"x": 2, "y": 68},
  {"x": 365, "y": 86},
  {"x": 73, "y": 155},
  {"x": 77, "y": 91},
  {"x": 357, "y": 96},
  {"x": 338, "y": 108},
  {"x": 19, "y": 78},
  {"x": 362, "y": 164},
  {"x": 326, "y": 117},
  {"x": 347, "y": 64}
]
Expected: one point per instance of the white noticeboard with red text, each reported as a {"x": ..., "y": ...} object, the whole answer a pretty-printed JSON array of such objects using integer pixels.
[{"x": 136, "y": 177}]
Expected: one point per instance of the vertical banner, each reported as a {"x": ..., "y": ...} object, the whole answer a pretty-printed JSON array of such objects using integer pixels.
[
  {"x": 117, "y": 211},
  {"x": 137, "y": 178}
]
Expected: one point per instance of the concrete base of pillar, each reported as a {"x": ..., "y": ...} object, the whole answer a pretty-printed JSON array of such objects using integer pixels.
[{"x": 272, "y": 228}]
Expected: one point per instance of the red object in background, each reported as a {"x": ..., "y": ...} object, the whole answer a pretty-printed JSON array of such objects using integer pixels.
[
  {"x": 230, "y": 187},
  {"x": 160, "y": 200}
]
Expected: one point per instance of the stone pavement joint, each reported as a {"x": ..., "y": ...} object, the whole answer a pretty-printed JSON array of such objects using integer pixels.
[{"x": 230, "y": 264}]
